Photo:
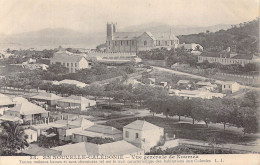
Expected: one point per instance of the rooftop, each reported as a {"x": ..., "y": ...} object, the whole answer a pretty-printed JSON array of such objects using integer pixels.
[
  {"x": 34, "y": 149},
  {"x": 115, "y": 148},
  {"x": 66, "y": 57},
  {"x": 27, "y": 108},
  {"x": 75, "y": 99},
  {"x": 5, "y": 100},
  {"x": 141, "y": 125},
  {"x": 103, "y": 129},
  {"x": 46, "y": 96}
]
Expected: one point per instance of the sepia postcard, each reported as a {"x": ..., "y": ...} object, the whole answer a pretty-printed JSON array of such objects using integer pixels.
[{"x": 129, "y": 82}]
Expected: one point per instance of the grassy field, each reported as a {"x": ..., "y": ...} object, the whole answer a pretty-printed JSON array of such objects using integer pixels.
[{"x": 189, "y": 131}]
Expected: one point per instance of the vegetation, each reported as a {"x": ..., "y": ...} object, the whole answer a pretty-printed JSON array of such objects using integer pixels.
[
  {"x": 243, "y": 38},
  {"x": 12, "y": 138},
  {"x": 232, "y": 111}
]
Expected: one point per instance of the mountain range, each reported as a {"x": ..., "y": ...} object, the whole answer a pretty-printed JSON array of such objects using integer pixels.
[{"x": 49, "y": 38}]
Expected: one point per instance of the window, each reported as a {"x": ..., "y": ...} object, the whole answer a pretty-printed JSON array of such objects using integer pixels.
[
  {"x": 133, "y": 42},
  {"x": 121, "y": 43},
  {"x": 145, "y": 43},
  {"x": 71, "y": 64},
  {"x": 127, "y": 42},
  {"x": 165, "y": 42},
  {"x": 136, "y": 135},
  {"x": 75, "y": 64},
  {"x": 171, "y": 42},
  {"x": 159, "y": 43},
  {"x": 224, "y": 86},
  {"x": 68, "y": 64},
  {"x": 115, "y": 43},
  {"x": 126, "y": 134}
]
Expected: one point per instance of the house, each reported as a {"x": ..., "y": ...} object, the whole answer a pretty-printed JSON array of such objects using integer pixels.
[
  {"x": 143, "y": 134},
  {"x": 191, "y": 47},
  {"x": 183, "y": 82},
  {"x": 137, "y": 41},
  {"x": 230, "y": 87},
  {"x": 31, "y": 134},
  {"x": 115, "y": 148},
  {"x": 97, "y": 130},
  {"x": 49, "y": 98},
  {"x": 26, "y": 111},
  {"x": 73, "y": 82},
  {"x": 76, "y": 102},
  {"x": 69, "y": 60}
]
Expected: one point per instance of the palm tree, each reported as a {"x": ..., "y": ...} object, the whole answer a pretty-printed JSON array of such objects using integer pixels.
[{"x": 12, "y": 138}]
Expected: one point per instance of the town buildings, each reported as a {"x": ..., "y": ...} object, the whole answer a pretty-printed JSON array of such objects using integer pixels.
[
  {"x": 137, "y": 41},
  {"x": 143, "y": 134},
  {"x": 71, "y": 61}
]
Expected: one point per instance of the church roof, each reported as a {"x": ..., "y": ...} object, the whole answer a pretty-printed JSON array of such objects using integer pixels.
[
  {"x": 153, "y": 35},
  {"x": 126, "y": 35},
  {"x": 141, "y": 125}
]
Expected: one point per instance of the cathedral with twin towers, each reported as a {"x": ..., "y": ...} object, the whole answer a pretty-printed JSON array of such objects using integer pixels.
[{"x": 137, "y": 41}]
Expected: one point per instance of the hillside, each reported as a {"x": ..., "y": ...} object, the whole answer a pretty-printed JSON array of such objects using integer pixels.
[
  {"x": 242, "y": 38},
  {"x": 177, "y": 30}
]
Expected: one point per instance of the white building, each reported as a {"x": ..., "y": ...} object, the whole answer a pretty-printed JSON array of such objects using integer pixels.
[
  {"x": 227, "y": 58},
  {"x": 143, "y": 134},
  {"x": 69, "y": 60},
  {"x": 26, "y": 111},
  {"x": 230, "y": 87},
  {"x": 32, "y": 135}
]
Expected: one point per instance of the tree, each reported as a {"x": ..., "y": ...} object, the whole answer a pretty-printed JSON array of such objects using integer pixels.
[
  {"x": 12, "y": 138},
  {"x": 58, "y": 69}
]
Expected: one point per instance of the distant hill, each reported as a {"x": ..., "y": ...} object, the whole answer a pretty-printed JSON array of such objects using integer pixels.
[
  {"x": 242, "y": 38},
  {"x": 51, "y": 38},
  {"x": 177, "y": 30}
]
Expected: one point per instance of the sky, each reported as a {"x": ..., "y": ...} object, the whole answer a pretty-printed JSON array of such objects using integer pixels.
[{"x": 17, "y": 16}]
